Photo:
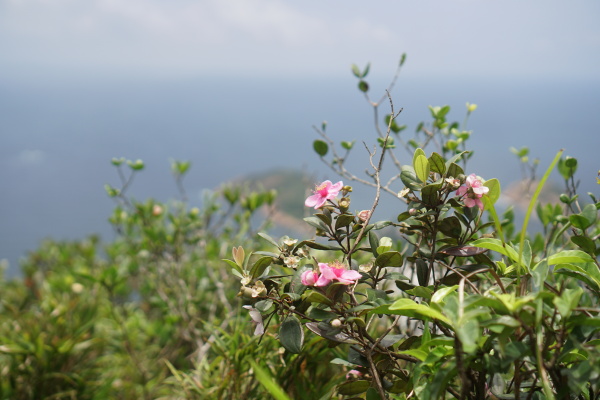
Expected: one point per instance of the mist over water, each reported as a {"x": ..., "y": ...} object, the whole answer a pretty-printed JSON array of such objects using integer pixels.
[{"x": 57, "y": 138}]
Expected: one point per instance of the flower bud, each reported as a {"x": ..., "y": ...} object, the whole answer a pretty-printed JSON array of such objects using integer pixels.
[
  {"x": 336, "y": 323},
  {"x": 365, "y": 267},
  {"x": 364, "y": 215},
  {"x": 157, "y": 210},
  {"x": 403, "y": 192},
  {"x": 245, "y": 292},
  {"x": 344, "y": 203}
]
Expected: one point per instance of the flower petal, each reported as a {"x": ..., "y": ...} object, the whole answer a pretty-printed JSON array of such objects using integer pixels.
[{"x": 315, "y": 201}]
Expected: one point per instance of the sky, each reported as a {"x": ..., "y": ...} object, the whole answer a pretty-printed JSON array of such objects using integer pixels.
[
  {"x": 211, "y": 81},
  {"x": 308, "y": 38}
]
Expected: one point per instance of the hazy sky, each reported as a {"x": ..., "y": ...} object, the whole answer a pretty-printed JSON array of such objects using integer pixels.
[{"x": 542, "y": 38}]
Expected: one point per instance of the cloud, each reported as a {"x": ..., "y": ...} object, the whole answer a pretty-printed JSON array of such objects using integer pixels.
[
  {"x": 309, "y": 36},
  {"x": 207, "y": 34}
]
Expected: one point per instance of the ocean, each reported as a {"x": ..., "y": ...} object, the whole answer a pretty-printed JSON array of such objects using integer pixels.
[{"x": 57, "y": 137}]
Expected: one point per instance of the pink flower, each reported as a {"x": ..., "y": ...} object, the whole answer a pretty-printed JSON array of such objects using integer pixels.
[
  {"x": 337, "y": 272},
  {"x": 353, "y": 374},
  {"x": 325, "y": 191},
  {"x": 473, "y": 189},
  {"x": 309, "y": 278}
]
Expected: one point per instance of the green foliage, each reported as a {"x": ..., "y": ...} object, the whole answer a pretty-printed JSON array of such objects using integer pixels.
[
  {"x": 454, "y": 305},
  {"x": 446, "y": 300}
]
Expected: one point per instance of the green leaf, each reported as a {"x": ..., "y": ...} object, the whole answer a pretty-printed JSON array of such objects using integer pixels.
[
  {"x": 585, "y": 243},
  {"x": 496, "y": 245},
  {"x": 567, "y": 167},
  {"x": 343, "y": 221},
  {"x": 567, "y": 301},
  {"x": 454, "y": 170},
  {"x": 440, "y": 294},
  {"x": 347, "y": 145},
  {"x": 422, "y": 272},
  {"x": 410, "y": 308},
  {"x": 437, "y": 163},
  {"x": 373, "y": 242},
  {"x": 363, "y": 86},
  {"x": 234, "y": 266},
  {"x": 422, "y": 168},
  {"x": 321, "y": 147},
  {"x": 385, "y": 244},
  {"x": 353, "y": 387},
  {"x": 451, "y": 227},
  {"x": 418, "y": 152},
  {"x": 590, "y": 278},
  {"x": 493, "y": 194},
  {"x": 372, "y": 394},
  {"x": 291, "y": 335},
  {"x": 111, "y": 191},
  {"x": 316, "y": 297},
  {"x": 468, "y": 333},
  {"x": 356, "y": 70},
  {"x": 569, "y": 256},
  {"x": 389, "y": 259},
  {"x": 268, "y": 382},
  {"x": 409, "y": 177},
  {"x": 389, "y": 142},
  {"x": 430, "y": 194},
  {"x": 586, "y": 218},
  {"x": 454, "y": 159},
  {"x": 366, "y": 70},
  {"x": 316, "y": 223},
  {"x": 136, "y": 165},
  {"x": 259, "y": 266},
  {"x": 319, "y": 246},
  {"x": 268, "y": 238}
]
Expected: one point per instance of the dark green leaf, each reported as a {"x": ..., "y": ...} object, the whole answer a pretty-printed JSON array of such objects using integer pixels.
[
  {"x": 454, "y": 170},
  {"x": 291, "y": 335},
  {"x": 316, "y": 223},
  {"x": 363, "y": 86},
  {"x": 366, "y": 70},
  {"x": 389, "y": 259},
  {"x": 353, "y": 387},
  {"x": 259, "y": 266},
  {"x": 321, "y": 147},
  {"x": 319, "y": 246},
  {"x": 268, "y": 238},
  {"x": 463, "y": 251},
  {"x": 409, "y": 177},
  {"x": 437, "y": 163},
  {"x": 328, "y": 332},
  {"x": 585, "y": 243},
  {"x": 422, "y": 272},
  {"x": 374, "y": 242},
  {"x": 430, "y": 194},
  {"x": 586, "y": 218},
  {"x": 343, "y": 221},
  {"x": 451, "y": 227}
]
